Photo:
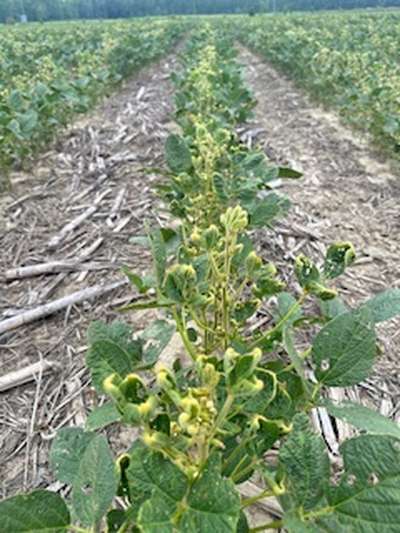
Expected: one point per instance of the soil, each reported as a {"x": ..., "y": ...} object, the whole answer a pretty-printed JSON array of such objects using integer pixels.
[{"x": 347, "y": 193}]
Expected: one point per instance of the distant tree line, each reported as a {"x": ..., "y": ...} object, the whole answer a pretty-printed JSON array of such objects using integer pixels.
[{"x": 92, "y": 9}]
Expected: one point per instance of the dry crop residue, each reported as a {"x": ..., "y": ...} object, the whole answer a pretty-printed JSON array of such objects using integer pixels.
[
  {"x": 347, "y": 193},
  {"x": 93, "y": 178}
]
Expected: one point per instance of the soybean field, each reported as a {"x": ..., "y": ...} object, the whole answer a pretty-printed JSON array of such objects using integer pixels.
[{"x": 200, "y": 284}]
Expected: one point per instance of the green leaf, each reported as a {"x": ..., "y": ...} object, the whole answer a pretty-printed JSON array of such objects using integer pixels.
[
  {"x": 96, "y": 483},
  {"x": 177, "y": 153},
  {"x": 344, "y": 350},
  {"x": 159, "y": 253},
  {"x": 111, "y": 350},
  {"x": 140, "y": 240},
  {"x": 306, "y": 272},
  {"x": 285, "y": 172},
  {"x": 338, "y": 257},
  {"x": 38, "y": 511},
  {"x": 28, "y": 121},
  {"x": 149, "y": 470},
  {"x": 297, "y": 361},
  {"x": 67, "y": 451},
  {"x": 363, "y": 418},
  {"x": 368, "y": 496},
  {"x": 213, "y": 502},
  {"x": 384, "y": 306},
  {"x": 268, "y": 209},
  {"x": 259, "y": 402},
  {"x": 14, "y": 127},
  {"x": 102, "y": 416},
  {"x": 16, "y": 100},
  {"x": 157, "y": 337},
  {"x": 171, "y": 238},
  {"x": 115, "y": 520},
  {"x": 285, "y": 303},
  {"x": 243, "y": 525},
  {"x": 305, "y": 463},
  {"x": 332, "y": 308},
  {"x": 155, "y": 515},
  {"x": 209, "y": 504},
  {"x": 293, "y": 524},
  {"x": 136, "y": 280}
]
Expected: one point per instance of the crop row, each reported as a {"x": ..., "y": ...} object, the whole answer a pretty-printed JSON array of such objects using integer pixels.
[
  {"x": 50, "y": 72},
  {"x": 349, "y": 61},
  {"x": 207, "y": 419}
]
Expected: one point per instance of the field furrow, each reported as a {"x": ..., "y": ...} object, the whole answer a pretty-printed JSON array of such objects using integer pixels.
[
  {"x": 348, "y": 193},
  {"x": 97, "y": 164}
]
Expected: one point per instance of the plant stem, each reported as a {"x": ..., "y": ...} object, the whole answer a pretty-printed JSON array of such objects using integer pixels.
[
  {"x": 124, "y": 527},
  {"x": 275, "y": 524},
  {"x": 295, "y": 307},
  {"x": 183, "y": 333},
  {"x": 254, "y": 499},
  {"x": 237, "y": 475},
  {"x": 236, "y": 450}
]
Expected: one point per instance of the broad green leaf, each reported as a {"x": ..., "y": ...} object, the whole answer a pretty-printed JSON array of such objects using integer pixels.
[
  {"x": 286, "y": 302},
  {"x": 293, "y": 524},
  {"x": 363, "y": 418},
  {"x": 155, "y": 515},
  {"x": 213, "y": 502},
  {"x": 177, "y": 153},
  {"x": 111, "y": 350},
  {"x": 268, "y": 209},
  {"x": 156, "y": 337},
  {"x": 285, "y": 172},
  {"x": 28, "y": 121},
  {"x": 15, "y": 128},
  {"x": 16, "y": 100},
  {"x": 102, "y": 416},
  {"x": 344, "y": 350},
  {"x": 384, "y": 306},
  {"x": 39, "y": 511},
  {"x": 67, "y": 451},
  {"x": 367, "y": 499},
  {"x": 149, "y": 470},
  {"x": 96, "y": 483},
  {"x": 332, "y": 308},
  {"x": 306, "y": 464},
  {"x": 210, "y": 504}
]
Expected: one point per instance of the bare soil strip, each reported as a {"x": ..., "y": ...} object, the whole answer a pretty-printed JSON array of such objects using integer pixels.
[
  {"x": 346, "y": 194},
  {"x": 69, "y": 220}
]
